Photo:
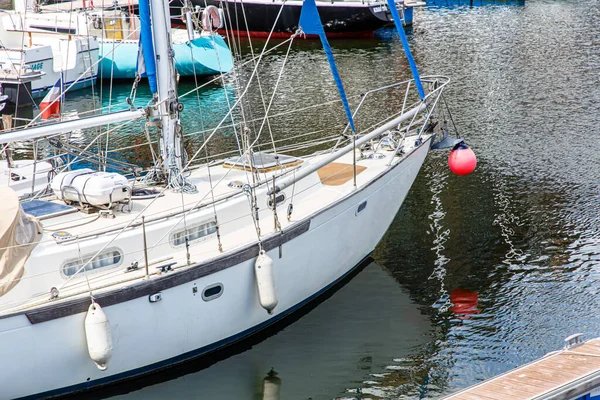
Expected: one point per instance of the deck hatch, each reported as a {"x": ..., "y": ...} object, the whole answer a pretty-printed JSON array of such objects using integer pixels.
[
  {"x": 262, "y": 162},
  {"x": 45, "y": 209}
]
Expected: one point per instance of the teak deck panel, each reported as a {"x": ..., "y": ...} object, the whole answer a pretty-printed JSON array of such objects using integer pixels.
[
  {"x": 336, "y": 174},
  {"x": 565, "y": 374}
]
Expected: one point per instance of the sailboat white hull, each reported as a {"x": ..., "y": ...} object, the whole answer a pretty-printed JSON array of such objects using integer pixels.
[{"x": 51, "y": 357}]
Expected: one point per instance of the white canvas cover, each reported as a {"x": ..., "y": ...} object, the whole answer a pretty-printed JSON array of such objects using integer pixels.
[{"x": 19, "y": 234}]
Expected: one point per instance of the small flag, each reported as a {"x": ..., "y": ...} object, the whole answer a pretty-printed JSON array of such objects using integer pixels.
[{"x": 50, "y": 105}]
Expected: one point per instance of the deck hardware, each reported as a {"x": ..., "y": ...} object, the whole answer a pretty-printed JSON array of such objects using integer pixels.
[
  {"x": 133, "y": 267},
  {"x": 59, "y": 236},
  {"x": 573, "y": 340},
  {"x": 145, "y": 245},
  {"x": 275, "y": 199},
  {"x": 35, "y": 157},
  {"x": 387, "y": 143},
  {"x": 165, "y": 267},
  {"x": 187, "y": 250},
  {"x": 236, "y": 184},
  {"x": 107, "y": 214},
  {"x": 53, "y": 293},
  {"x": 156, "y": 297},
  {"x": 195, "y": 290}
]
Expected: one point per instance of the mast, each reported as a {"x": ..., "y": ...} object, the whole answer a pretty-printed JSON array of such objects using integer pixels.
[{"x": 167, "y": 103}]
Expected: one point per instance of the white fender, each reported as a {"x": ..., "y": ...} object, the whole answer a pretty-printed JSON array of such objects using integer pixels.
[
  {"x": 265, "y": 281},
  {"x": 98, "y": 336}
]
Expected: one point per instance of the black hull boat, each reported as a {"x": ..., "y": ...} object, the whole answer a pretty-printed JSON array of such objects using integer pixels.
[{"x": 350, "y": 19}]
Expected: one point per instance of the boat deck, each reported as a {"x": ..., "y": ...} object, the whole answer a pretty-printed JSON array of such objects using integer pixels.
[
  {"x": 73, "y": 232},
  {"x": 565, "y": 374}
]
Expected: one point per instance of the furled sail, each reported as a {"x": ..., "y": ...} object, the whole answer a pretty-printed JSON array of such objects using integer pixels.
[
  {"x": 411, "y": 61},
  {"x": 146, "y": 61},
  {"x": 310, "y": 22}
]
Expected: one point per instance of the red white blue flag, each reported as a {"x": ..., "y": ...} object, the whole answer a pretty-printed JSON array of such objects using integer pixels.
[{"x": 50, "y": 105}]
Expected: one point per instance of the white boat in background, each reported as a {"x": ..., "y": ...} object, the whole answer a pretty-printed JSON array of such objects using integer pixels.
[
  {"x": 15, "y": 86},
  {"x": 3, "y": 98},
  {"x": 57, "y": 56},
  {"x": 117, "y": 29},
  {"x": 110, "y": 278},
  {"x": 19, "y": 176}
]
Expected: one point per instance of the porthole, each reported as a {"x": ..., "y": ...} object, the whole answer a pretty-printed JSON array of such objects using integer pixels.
[
  {"x": 361, "y": 207},
  {"x": 279, "y": 199},
  {"x": 212, "y": 292}
]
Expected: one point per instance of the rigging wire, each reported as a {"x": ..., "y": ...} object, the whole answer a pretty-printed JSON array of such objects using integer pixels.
[{"x": 219, "y": 244}]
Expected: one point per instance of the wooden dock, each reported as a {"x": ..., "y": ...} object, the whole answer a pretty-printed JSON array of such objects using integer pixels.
[{"x": 570, "y": 373}]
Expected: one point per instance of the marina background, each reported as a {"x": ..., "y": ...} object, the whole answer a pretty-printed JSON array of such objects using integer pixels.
[{"x": 517, "y": 242}]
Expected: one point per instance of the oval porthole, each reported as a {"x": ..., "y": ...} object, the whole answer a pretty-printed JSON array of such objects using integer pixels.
[
  {"x": 212, "y": 292},
  {"x": 361, "y": 207}
]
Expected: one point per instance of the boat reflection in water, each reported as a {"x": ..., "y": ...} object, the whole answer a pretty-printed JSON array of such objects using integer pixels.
[
  {"x": 366, "y": 333},
  {"x": 271, "y": 386},
  {"x": 464, "y": 303}
]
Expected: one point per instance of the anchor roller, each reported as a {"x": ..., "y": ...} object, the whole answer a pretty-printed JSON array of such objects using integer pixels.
[
  {"x": 98, "y": 336},
  {"x": 265, "y": 281}
]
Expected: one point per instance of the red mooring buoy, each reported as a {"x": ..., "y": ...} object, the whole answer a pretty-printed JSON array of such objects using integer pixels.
[{"x": 462, "y": 160}]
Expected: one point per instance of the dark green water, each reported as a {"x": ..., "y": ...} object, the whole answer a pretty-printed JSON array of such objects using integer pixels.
[{"x": 477, "y": 274}]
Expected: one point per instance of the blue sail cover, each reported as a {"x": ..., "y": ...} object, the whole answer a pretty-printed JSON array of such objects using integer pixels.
[
  {"x": 411, "y": 61},
  {"x": 146, "y": 61},
  {"x": 310, "y": 22}
]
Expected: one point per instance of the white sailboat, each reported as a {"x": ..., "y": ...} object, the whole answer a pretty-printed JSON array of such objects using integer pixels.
[
  {"x": 104, "y": 281},
  {"x": 57, "y": 56}
]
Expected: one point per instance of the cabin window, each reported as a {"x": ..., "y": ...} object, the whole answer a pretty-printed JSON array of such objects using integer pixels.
[
  {"x": 194, "y": 233},
  {"x": 279, "y": 199},
  {"x": 108, "y": 258},
  {"x": 212, "y": 292}
]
